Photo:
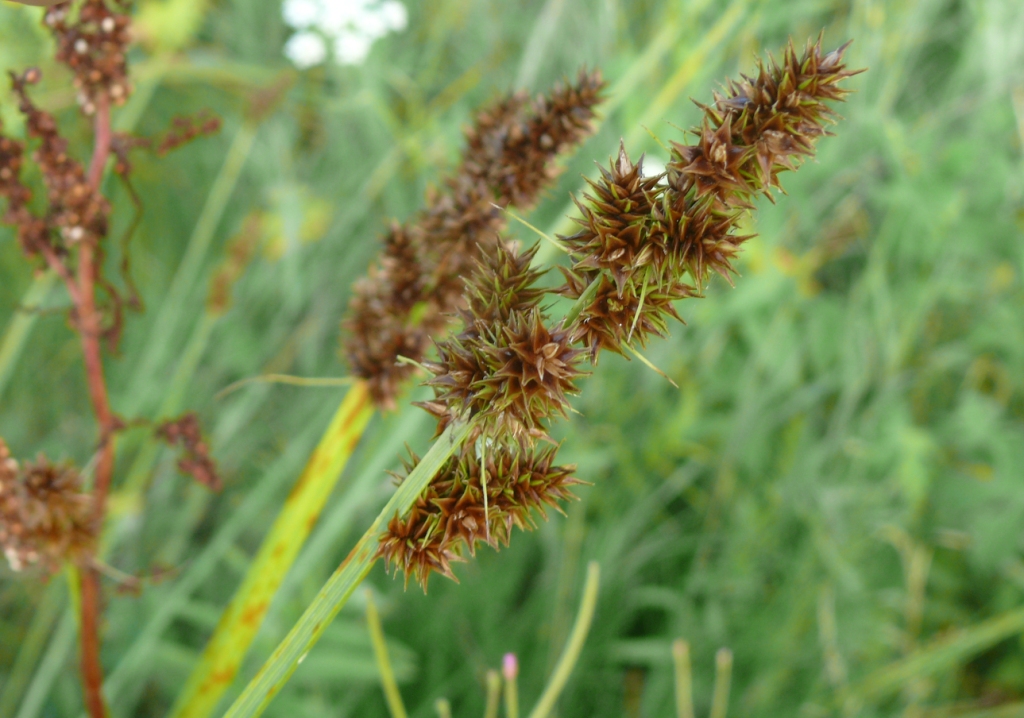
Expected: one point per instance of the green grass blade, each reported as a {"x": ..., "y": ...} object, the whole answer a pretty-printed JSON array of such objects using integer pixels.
[
  {"x": 244, "y": 615},
  {"x": 189, "y": 270},
  {"x": 339, "y": 587},
  {"x": 943, "y": 654},
  {"x": 54, "y": 661},
  {"x": 39, "y": 630},
  {"x": 201, "y": 568}
]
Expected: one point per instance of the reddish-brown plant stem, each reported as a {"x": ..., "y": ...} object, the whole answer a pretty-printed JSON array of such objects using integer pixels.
[{"x": 90, "y": 331}]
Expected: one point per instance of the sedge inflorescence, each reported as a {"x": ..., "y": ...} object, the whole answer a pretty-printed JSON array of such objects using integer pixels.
[
  {"x": 416, "y": 286},
  {"x": 644, "y": 243}
]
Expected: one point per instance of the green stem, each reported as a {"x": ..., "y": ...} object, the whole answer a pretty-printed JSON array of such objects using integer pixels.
[
  {"x": 346, "y": 579},
  {"x": 380, "y": 651},
  {"x": 571, "y": 653},
  {"x": 723, "y": 677},
  {"x": 684, "y": 678}
]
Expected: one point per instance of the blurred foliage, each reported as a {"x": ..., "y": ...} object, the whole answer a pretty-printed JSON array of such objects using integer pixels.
[{"x": 834, "y": 492}]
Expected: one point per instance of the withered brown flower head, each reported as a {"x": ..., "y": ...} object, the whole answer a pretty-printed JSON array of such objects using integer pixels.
[
  {"x": 451, "y": 517},
  {"x": 510, "y": 157},
  {"x": 93, "y": 44},
  {"x": 45, "y": 517}
]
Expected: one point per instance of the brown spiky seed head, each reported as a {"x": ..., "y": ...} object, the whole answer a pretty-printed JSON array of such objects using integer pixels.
[
  {"x": 451, "y": 517},
  {"x": 508, "y": 371},
  {"x": 615, "y": 221},
  {"x": 757, "y": 129},
  {"x": 45, "y": 517},
  {"x": 611, "y": 320}
]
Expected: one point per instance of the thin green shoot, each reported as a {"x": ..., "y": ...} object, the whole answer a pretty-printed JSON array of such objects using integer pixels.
[
  {"x": 412, "y": 362},
  {"x": 640, "y": 304},
  {"x": 380, "y": 651},
  {"x": 510, "y": 672},
  {"x": 284, "y": 379},
  {"x": 683, "y": 678},
  {"x": 723, "y": 677},
  {"x": 443, "y": 708},
  {"x": 573, "y": 647},
  {"x": 493, "y": 694},
  {"x": 544, "y": 235}
]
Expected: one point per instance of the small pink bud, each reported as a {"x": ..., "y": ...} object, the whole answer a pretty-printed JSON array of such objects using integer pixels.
[{"x": 510, "y": 666}]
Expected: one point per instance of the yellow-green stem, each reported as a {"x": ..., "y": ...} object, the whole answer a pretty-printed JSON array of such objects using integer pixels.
[
  {"x": 573, "y": 647},
  {"x": 380, "y": 651},
  {"x": 244, "y": 616},
  {"x": 343, "y": 582}
]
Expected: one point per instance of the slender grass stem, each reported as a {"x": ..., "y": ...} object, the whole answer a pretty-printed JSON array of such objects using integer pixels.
[
  {"x": 571, "y": 652},
  {"x": 380, "y": 651},
  {"x": 510, "y": 672},
  {"x": 443, "y": 708},
  {"x": 493, "y": 694},
  {"x": 285, "y": 379},
  {"x": 684, "y": 678},
  {"x": 723, "y": 677},
  {"x": 340, "y": 586}
]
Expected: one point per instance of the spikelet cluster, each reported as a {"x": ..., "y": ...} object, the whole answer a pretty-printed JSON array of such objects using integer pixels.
[
  {"x": 451, "y": 517},
  {"x": 45, "y": 517},
  {"x": 642, "y": 237},
  {"x": 409, "y": 296},
  {"x": 644, "y": 243},
  {"x": 93, "y": 44},
  {"x": 507, "y": 371}
]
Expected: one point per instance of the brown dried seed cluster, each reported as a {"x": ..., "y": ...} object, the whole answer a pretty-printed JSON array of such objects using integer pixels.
[
  {"x": 639, "y": 237},
  {"x": 196, "y": 462},
  {"x": 93, "y": 43},
  {"x": 77, "y": 213},
  {"x": 45, "y": 517},
  {"x": 451, "y": 516},
  {"x": 510, "y": 156}
]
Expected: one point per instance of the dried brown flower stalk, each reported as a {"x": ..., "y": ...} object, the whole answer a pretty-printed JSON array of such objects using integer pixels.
[
  {"x": 509, "y": 370},
  {"x": 47, "y": 517},
  {"x": 407, "y": 298}
]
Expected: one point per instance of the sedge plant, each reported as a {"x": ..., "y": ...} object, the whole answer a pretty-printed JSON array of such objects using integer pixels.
[{"x": 645, "y": 242}]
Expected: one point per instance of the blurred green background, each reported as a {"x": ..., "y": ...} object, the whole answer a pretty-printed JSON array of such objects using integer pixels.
[{"x": 835, "y": 492}]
